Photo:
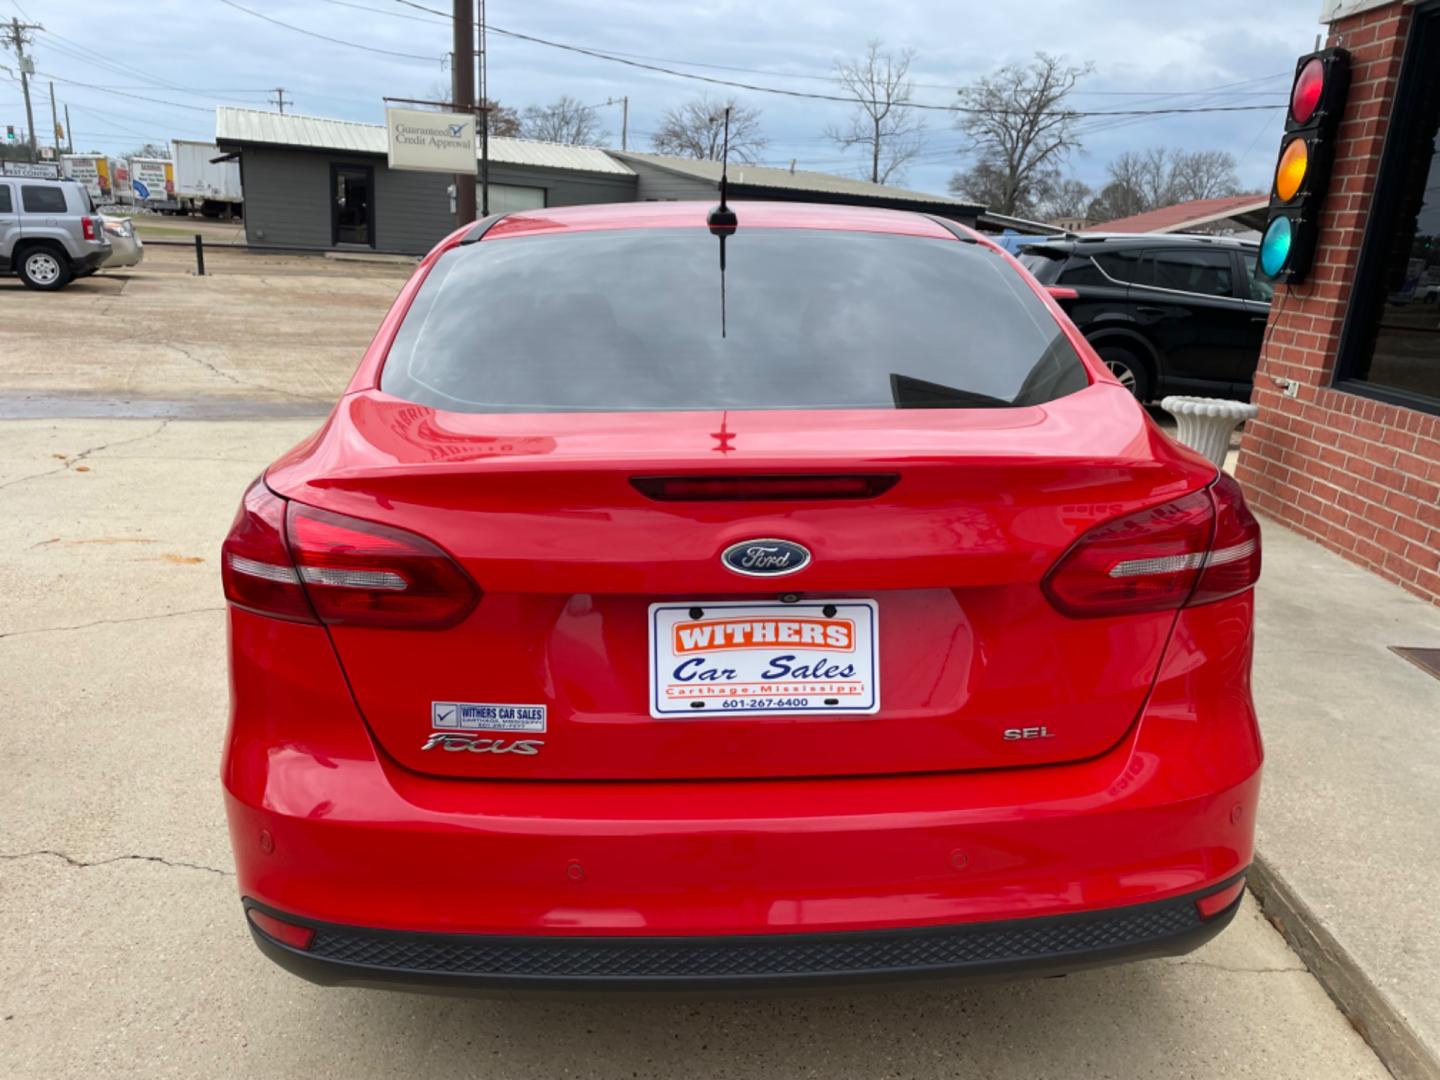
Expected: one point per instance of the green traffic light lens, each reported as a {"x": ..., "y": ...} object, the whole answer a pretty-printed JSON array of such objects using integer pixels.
[{"x": 1275, "y": 247}]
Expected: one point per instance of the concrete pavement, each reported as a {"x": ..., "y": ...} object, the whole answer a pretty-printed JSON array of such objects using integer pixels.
[
  {"x": 272, "y": 329},
  {"x": 1349, "y": 853},
  {"x": 123, "y": 952}
]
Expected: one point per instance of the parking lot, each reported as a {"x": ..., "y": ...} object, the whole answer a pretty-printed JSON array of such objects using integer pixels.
[{"x": 135, "y": 409}]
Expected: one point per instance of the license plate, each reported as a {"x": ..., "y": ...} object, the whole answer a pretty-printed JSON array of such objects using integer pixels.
[{"x": 736, "y": 657}]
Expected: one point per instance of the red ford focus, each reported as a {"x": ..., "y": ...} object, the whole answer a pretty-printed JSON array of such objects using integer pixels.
[{"x": 793, "y": 603}]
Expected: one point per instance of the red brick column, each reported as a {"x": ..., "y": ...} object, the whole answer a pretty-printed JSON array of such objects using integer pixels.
[{"x": 1360, "y": 476}]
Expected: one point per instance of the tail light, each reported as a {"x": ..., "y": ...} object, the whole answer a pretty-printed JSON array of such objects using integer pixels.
[
  {"x": 87, "y": 225},
  {"x": 361, "y": 573},
  {"x": 254, "y": 563},
  {"x": 296, "y": 562},
  {"x": 1195, "y": 550},
  {"x": 1233, "y": 564}
]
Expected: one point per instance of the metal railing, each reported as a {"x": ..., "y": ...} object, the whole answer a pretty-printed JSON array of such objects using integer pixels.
[{"x": 303, "y": 249}]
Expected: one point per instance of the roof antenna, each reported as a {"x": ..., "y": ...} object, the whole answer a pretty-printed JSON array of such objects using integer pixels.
[{"x": 721, "y": 219}]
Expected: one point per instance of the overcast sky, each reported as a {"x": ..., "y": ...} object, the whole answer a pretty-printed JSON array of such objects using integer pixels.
[{"x": 191, "y": 55}]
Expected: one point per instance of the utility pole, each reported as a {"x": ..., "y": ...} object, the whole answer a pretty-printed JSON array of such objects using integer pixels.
[
  {"x": 279, "y": 100},
  {"x": 69, "y": 133},
  {"x": 462, "y": 72},
  {"x": 16, "y": 37},
  {"x": 54, "y": 122},
  {"x": 484, "y": 123},
  {"x": 624, "y": 120}
]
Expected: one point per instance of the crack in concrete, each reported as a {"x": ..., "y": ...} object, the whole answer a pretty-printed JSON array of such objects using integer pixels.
[
  {"x": 71, "y": 462},
  {"x": 70, "y": 860},
  {"x": 183, "y": 351},
  {"x": 204, "y": 363},
  {"x": 1234, "y": 970},
  {"x": 108, "y": 622}
]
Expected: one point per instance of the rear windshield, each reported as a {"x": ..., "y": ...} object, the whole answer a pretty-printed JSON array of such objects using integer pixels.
[{"x": 810, "y": 319}]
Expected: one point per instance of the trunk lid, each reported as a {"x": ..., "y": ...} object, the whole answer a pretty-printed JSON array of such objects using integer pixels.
[{"x": 976, "y": 669}]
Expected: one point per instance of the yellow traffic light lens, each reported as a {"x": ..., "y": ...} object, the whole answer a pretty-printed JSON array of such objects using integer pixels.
[{"x": 1294, "y": 163}]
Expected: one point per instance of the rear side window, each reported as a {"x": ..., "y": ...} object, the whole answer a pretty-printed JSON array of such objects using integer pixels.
[
  {"x": 809, "y": 319},
  {"x": 1209, "y": 273},
  {"x": 6, "y": 206},
  {"x": 1082, "y": 271},
  {"x": 42, "y": 200},
  {"x": 1121, "y": 265}
]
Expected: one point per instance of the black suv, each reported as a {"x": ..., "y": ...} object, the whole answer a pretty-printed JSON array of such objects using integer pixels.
[{"x": 1167, "y": 314}]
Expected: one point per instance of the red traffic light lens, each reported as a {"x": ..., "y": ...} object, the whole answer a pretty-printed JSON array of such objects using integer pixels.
[{"x": 1305, "y": 95}]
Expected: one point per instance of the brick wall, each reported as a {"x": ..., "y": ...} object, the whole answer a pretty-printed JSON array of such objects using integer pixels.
[{"x": 1360, "y": 476}]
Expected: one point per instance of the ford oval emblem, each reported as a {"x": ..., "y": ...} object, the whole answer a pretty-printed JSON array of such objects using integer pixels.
[{"x": 765, "y": 558}]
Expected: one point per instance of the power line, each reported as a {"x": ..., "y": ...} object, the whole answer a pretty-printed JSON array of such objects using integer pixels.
[
  {"x": 930, "y": 106},
  {"x": 725, "y": 82},
  {"x": 97, "y": 60},
  {"x": 326, "y": 37},
  {"x": 438, "y": 17},
  {"x": 138, "y": 97},
  {"x": 611, "y": 54}
]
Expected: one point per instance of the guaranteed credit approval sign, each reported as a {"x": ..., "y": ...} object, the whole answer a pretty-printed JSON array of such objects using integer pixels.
[{"x": 430, "y": 141}]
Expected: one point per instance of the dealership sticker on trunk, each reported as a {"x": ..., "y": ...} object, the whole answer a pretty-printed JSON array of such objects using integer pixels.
[
  {"x": 743, "y": 658},
  {"x": 485, "y": 716}
]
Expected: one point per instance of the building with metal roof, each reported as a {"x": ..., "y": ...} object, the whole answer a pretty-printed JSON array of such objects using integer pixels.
[
  {"x": 259, "y": 128},
  {"x": 320, "y": 183},
  {"x": 663, "y": 176},
  {"x": 314, "y": 182},
  {"x": 1245, "y": 211}
]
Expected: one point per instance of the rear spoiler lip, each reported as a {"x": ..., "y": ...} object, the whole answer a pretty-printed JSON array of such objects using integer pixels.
[{"x": 480, "y": 228}]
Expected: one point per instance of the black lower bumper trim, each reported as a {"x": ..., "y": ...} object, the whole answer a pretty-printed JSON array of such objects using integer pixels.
[{"x": 349, "y": 956}]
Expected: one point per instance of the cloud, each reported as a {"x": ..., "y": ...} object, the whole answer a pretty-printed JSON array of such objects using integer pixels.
[{"x": 205, "y": 54}]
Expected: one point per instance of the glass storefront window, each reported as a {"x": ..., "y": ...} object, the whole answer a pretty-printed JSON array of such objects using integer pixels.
[{"x": 1392, "y": 345}]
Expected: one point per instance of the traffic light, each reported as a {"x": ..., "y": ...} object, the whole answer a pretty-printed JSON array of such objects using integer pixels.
[
  {"x": 1302, "y": 174},
  {"x": 9, "y": 133}
]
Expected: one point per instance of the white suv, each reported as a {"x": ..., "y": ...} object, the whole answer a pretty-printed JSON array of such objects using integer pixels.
[{"x": 49, "y": 232}]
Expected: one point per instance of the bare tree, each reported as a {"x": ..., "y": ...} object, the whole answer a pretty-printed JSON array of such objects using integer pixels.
[
  {"x": 986, "y": 184},
  {"x": 564, "y": 120},
  {"x": 1142, "y": 180},
  {"x": 1206, "y": 174},
  {"x": 890, "y": 132},
  {"x": 696, "y": 129},
  {"x": 149, "y": 150},
  {"x": 1020, "y": 132},
  {"x": 1069, "y": 198},
  {"x": 1117, "y": 199},
  {"x": 504, "y": 121}
]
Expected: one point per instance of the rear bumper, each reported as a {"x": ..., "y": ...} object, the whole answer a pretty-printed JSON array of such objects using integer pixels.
[
  {"x": 90, "y": 258},
  {"x": 123, "y": 253},
  {"x": 350, "y": 956},
  {"x": 328, "y": 830}
]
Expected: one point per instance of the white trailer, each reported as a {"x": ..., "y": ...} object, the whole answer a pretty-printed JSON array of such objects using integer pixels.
[
  {"x": 153, "y": 181},
  {"x": 91, "y": 171},
  {"x": 202, "y": 184}
]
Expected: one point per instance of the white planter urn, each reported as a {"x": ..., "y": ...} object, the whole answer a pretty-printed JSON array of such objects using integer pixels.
[{"x": 1205, "y": 423}]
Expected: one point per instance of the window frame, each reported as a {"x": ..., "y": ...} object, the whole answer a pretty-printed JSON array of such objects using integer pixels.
[
  {"x": 1147, "y": 258},
  {"x": 1366, "y": 301},
  {"x": 25, "y": 189}
]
